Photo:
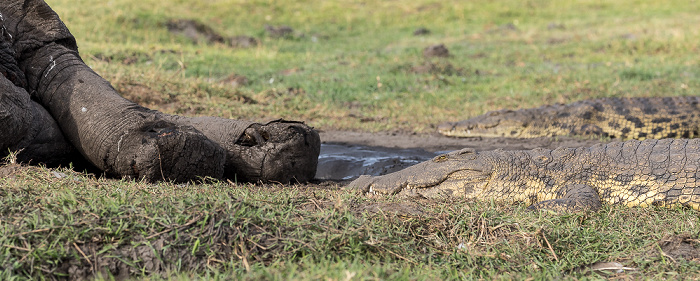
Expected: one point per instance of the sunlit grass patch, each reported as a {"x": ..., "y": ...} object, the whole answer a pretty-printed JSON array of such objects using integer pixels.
[{"x": 503, "y": 55}]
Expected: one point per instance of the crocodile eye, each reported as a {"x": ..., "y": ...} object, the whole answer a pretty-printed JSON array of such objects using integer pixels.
[
  {"x": 542, "y": 159},
  {"x": 440, "y": 158}
]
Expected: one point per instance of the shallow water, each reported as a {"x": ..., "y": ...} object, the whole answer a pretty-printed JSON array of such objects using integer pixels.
[{"x": 346, "y": 162}]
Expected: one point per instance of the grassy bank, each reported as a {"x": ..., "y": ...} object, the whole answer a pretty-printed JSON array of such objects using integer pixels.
[
  {"x": 357, "y": 64},
  {"x": 354, "y": 65}
]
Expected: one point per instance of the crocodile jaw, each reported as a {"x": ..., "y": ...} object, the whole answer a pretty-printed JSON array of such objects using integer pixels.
[
  {"x": 462, "y": 183},
  {"x": 458, "y": 173},
  {"x": 459, "y": 183}
]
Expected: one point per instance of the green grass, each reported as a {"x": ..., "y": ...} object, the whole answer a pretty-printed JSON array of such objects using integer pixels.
[
  {"x": 504, "y": 54},
  {"x": 59, "y": 222}
]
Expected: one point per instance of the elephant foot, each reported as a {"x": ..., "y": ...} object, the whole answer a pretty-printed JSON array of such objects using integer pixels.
[
  {"x": 161, "y": 150},
  {"x": 279, "y": 151}
]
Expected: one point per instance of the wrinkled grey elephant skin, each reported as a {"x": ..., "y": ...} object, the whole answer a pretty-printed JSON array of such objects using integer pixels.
[{"x": 54, "y": 106}]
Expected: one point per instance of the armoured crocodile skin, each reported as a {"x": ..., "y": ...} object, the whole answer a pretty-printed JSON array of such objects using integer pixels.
[
  {"x": 618, "y": 118},
  {"x": 633, "y": 173}
]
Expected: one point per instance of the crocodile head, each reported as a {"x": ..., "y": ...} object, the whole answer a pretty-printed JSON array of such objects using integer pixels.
[
  {"x": 500, "y": 123},
  {"x": 463, "y": 173}
]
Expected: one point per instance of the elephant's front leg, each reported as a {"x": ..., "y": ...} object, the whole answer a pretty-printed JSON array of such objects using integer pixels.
[
  {"x": 117, "y": 135},
  {"x": 114, "y": 134}
]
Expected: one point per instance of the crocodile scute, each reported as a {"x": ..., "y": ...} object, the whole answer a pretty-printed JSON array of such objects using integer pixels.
[
  {"x": 632, "y": 173},
  {"x": 616, "y": 118}
]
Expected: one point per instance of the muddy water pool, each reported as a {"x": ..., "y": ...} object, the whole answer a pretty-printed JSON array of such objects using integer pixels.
[{"x": 347, "y": 162}]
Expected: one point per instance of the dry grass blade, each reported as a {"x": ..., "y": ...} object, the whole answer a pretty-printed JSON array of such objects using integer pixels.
[
  {"x": 83, "y": 254},
  {"x": 17, "y": 248},
  {"x": 551, "y": 250},
  {"x": 613, "y": 266},
  {"x": 30, "y": 232}
]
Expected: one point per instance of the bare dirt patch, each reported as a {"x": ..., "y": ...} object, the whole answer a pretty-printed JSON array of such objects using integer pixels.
[
  {"x": 201, "y": 33},
  {"x": 235, "y": 80},
  {"x": 421, "y": 31},
  {"x": 281, "y": 31},
  {"x": 7, "y": 171},
  {"x": 681, "y": 246},
  {"x": 436, "y": 68},
  {"x": 195, "y": 31},
  {"x": 436, "y": 51}
]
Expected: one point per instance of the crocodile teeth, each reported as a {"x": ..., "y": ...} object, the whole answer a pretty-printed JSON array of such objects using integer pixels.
[{"x": 371, "y": 191}]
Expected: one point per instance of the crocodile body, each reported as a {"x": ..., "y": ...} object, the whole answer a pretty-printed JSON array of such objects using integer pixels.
[
  {"x": 633, "y": 173},
  {"x": 617, "y": 118}
]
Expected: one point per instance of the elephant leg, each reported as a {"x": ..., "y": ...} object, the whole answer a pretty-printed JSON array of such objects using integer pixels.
[
  {"x": 117, "y": 135},
  {"x": 114, "y": 134}
]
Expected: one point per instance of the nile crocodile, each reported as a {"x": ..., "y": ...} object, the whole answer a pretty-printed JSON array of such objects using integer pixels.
[
  {"x": 633, "y": 173},
  {"x": 617, "y": 118}
]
